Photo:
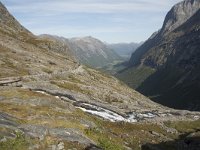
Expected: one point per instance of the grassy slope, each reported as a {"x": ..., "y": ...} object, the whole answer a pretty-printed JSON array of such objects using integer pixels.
[{"x": 134, "y": 77}]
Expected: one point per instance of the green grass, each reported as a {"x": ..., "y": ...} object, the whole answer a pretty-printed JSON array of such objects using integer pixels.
[
  {"x": 71, "y": 86},
  {"x": 104, "y": 139},
  {"x": 18, "y": 143},
  {"x": 47, "y": 70},
  {"x": 184, "y": 126},
  {"x": 8, "y": 68},
  {"x": 134, "y": 77},
  {"x": 112, "y": 68},
  {"x": 74, "y": 79},
  {"x": 110, "y": 136},
  {"x": 106, "y": 144}
]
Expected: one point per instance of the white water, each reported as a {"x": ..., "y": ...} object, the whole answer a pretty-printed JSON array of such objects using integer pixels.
[
  {"x": 114, "y": 117},
  {"x": 108, "y": 114},
  {"x": 146, "y": 115}
]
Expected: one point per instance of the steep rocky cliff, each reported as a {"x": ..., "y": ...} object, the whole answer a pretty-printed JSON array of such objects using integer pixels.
[
  {"x": 176, "y": 82},
  {"x": 178, "y": 15},
  {"x": 172, "y": 55}
]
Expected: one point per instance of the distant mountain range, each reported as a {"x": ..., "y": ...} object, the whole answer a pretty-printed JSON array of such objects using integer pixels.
[
  {"x": 124, "y": 49},
  {"x": 88, "y": 50},
  {"x": 167, "y": 66},
  {"x": 93, "y": 52}
]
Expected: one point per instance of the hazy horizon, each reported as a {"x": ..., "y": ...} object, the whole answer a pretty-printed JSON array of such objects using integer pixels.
[{"x": 119, "y": 21}]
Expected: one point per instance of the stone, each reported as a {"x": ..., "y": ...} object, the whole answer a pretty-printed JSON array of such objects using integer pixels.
[
  {"x": 93, "y": 147},
  {"x": 154, "y": 133},
  {"x": 35, "y": 130},
  {"x": 61, "y": 146},
  {"x": 3, "y": 140},
  {"x": 54, "y": 147},
  {"x": 2, "y": 98}
]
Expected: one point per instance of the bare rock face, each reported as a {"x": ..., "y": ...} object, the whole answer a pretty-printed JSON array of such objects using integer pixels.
[{"x": 179, "y": 14}]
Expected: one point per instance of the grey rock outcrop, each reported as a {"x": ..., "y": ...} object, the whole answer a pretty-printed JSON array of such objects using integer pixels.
[
  {"x": 62, "y": 133},
  {"x": 179, "y": 14}
]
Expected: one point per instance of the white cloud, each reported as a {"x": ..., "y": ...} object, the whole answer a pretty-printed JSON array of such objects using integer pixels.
[{"x": 50, "y": 7}]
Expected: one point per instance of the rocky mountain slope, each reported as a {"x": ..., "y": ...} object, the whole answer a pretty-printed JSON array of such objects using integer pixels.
[
  {"x": 124, "y": 49},
  {"x": 170, "y": 60},
  {"x": 178, "y": 15},
  {"x": 49, "y": 101},
  {"x": 93, "y": 52},
  {"x": 88, "y": 50}
]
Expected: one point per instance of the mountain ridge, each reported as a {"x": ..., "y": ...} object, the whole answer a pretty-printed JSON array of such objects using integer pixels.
[
  {"x": 89, "y": 50},
  {"x": 10, "y": 25},
  {"x": 171, "y": 21},
  {"x": 171, "y": 60}
]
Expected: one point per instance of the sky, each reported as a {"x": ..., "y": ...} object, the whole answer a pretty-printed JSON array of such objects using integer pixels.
[{"x": 112, "y": 21}]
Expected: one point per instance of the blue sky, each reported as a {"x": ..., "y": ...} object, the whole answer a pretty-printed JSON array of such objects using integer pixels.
[{"x": 111, "y": 21}]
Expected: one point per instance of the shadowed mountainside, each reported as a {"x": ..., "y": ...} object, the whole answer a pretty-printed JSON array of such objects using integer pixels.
[{"x": 171, "y": 60}]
